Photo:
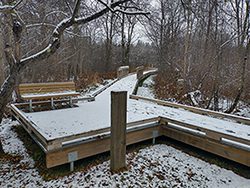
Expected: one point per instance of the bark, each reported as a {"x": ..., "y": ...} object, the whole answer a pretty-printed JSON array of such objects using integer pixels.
[
  {"x": 161, "y": 53},
  {"x": 129, "y": 40},
  {"x": 187, "y": 40},
  {"x": 209, "y": 26},
  {"x": 209, "y": 101},
  {"x": 2, "y": 59},
  {"x": 123, "y": 39},
  {"x": 216, "y": 100},
  {"x": 7, "y": 89},
  {"x": 187, "y": 45},
  {"x": 1, "y": 148},
  {"x": 108, "y": 55},
  {"x": 236, "y": 101},
  {"x": 5, "y": 93},
  {"x": 127, "y": 55},
  {"x": 9, "y": 8},
  {"x": 109, "y": 41},
  {"x": 126, "y": 41},
  {"x": 216, "y": 85}
]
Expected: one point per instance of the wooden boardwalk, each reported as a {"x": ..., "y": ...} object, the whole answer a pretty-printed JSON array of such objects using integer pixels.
[{"x": 142, "y": 124}]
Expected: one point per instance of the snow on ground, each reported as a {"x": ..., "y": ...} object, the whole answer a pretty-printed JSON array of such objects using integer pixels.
[
  {"x": 11, "y": 143},
  {"x": 96, "y": 115},
  {"x": 243, "y": 109},
  {"x": 15, "y": 175},
  {"x": 155, "y": 166}
]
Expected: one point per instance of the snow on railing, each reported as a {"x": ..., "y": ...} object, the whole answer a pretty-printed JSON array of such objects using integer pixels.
[{"x": 197, "y": 110}]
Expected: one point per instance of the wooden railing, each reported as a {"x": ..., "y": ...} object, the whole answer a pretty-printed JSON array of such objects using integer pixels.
[
  {"x": 228, "y": 146},
  {"x": 215, "y": 135},
  {"x": 29, "y": 127},
  {"x": 143, "y": 77},
  {"x": 239, "y": 119},
  {"x": 74, "y": 139}
]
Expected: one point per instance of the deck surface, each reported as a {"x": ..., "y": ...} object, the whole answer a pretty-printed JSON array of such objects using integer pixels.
[{"x": 96, "y": 115}]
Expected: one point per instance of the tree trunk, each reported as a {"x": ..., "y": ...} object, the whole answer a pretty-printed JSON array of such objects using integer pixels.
[
  {"x": 216, "y": 100},
  {"x": 123, "y": 39},
  {"x": 161, "y": 53},
  {"x": 5, "y": 93},
  {"x": 187, "y": 41},
  {"x": 127, "y": 55},
  {"x": 109, "y": 43},
  {"x": 1, "y": 148},
  {"x": 236, "y": 100},
  {"x": 241, "y": 89},
  {"x": 108, "y": 55}
]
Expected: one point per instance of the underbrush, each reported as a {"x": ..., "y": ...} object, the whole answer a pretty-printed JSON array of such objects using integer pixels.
[
  {"x": 169, "y": 87},
  {"x": 166, "y": 87},
  {"x": 93, "y": 78}
]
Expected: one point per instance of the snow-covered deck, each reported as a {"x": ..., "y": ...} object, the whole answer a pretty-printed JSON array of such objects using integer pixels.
[
  {"x": 89, "y": 116},
  {"x": 69, "y": 127}
]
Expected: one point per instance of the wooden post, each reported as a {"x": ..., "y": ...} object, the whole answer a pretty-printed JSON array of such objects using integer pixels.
[
  {"x": 30, "y": 105},
  {"x": 139, "y": 72},
  {"x": 52, "y": 103},
  {"x": 122, "y": 71},
  {"x": 71, "y": 102},
  {"x": 118, "y": 130}
]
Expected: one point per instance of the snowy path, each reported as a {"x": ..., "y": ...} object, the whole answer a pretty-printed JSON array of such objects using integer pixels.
[{"x": 96, "y": 115}]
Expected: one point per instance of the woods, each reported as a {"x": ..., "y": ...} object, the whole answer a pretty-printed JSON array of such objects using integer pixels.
[
  {"x": 205, "y": 44},
  {"x": 200, "y": 47}
]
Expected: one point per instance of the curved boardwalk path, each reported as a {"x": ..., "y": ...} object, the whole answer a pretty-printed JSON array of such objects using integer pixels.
[{"x": 96, "y": 115}]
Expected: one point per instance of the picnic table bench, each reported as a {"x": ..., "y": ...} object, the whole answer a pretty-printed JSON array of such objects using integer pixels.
[{"x": 47, "y": 91}]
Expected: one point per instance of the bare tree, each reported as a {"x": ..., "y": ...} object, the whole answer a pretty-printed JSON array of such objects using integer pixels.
[
  {"x": 128, "y": 27},
  {"x": 110, "y": 28},
  {"x": 164, "y": 30}
]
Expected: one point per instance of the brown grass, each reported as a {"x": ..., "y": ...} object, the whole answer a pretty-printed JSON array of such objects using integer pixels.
[
  {"x": 166, "y": 86},
  {"x": 92, "y": 78}
]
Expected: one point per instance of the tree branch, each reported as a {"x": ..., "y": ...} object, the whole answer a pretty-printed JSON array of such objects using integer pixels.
[
  {"x": 76, "y": 9},
  {"x": 70, "y": 9},
  {"x": 106, "y": 5},
  {"x": 131, "y": 13},
  {"x": 9, "y": 8},
  {"x": 59, "y": 30}
]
